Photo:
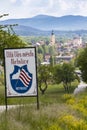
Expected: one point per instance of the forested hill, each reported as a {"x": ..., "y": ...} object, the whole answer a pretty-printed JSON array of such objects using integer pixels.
[{"x": 42, "y": 24}]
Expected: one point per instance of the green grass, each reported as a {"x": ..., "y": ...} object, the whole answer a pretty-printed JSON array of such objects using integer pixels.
[
  {"x": 53, "y": 94},
  {"x": 2, "y": 94},
  {"x": 58, "y": 111}
]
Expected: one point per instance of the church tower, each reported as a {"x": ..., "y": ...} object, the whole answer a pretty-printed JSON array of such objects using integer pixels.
[{"x": 52, "y": 38}]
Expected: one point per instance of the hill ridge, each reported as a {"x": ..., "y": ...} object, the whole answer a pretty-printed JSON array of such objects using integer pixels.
[{"x": 43, "y": 23}]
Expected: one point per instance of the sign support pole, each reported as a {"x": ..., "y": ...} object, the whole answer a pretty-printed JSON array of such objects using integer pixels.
[
  {"x": 6, "y": 103},
  {"x": 37, "y": 82},
  {"x": 37, "y": 102},
  {"x": 5, "y": 87}
]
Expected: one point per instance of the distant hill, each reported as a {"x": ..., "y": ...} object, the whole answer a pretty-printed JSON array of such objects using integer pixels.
[
  {"x": 26, "y": 30},
  {"x": 41, "y": 24}
]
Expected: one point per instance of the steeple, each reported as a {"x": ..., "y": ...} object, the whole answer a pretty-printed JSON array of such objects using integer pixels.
[
  {"x": 52, "y": 38},
  {"x": 52, "y": 33}
]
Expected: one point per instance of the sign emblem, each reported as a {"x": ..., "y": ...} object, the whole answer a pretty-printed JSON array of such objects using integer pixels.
[{"x": 21, "y": 79}]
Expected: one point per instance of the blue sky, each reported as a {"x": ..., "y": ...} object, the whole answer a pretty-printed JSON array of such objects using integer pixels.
[{"x": 30, "y": 8}]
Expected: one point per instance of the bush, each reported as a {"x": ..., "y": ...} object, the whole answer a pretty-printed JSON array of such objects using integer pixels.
[
  {"x": 69, "y": 122},
  {"x": 66, "y": 97}
]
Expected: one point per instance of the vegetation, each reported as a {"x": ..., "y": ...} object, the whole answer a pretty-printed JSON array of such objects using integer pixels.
[
  {"x": 42, "y": 50},
  {"x": 44, "y": 76},
  {"x": 58, "y": 111},
  {"x": 82, "y": 63},
  {"x": 8, "y": 39},
  {"x": 65, "y": 74}
]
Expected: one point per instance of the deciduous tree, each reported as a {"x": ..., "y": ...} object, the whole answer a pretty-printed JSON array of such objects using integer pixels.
[
  {"x": 8, "y": 39},
  {"x": 65, "y": 74},
  {"x": 43, "y": 77},
  {"x": 82, "y": 64}
]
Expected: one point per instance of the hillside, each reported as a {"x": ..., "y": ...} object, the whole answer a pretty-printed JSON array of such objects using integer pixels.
[
  {"x": 41, "y": 24},
  {"x": 28, "y": 31}
]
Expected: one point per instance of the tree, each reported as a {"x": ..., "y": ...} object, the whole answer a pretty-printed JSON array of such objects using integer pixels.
[
  {"x": 8, "y": 39},
  {"x": 45, "y": 49},
  {"x": 52, "y": 50},
  {"x": 43, "y": 77},
  {"x": 39, "y": 59},
  {"x": 65, "y": 74},
  {"x": 82, "y": 64},
  {"x": 40, "y": 50},
  {"x": 57, "y": 73},
  {"x": 52, "y": 60}
]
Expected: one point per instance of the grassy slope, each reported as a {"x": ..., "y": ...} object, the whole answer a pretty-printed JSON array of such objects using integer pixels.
[{"x": 58, "y": 111}]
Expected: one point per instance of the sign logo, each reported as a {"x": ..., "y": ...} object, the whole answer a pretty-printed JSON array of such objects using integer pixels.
[{"x": 21, "y": 79}]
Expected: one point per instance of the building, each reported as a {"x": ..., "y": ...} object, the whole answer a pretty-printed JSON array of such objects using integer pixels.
[
  {"x": 77, "y": 41},
  {"x": 52, "y": 42},
  {"x": 66, "y": 58},
  {"x": 47, "y": 57}
]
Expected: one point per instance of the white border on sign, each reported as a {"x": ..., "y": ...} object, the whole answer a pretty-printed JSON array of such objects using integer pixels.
[{"x": 20, "y": 57}]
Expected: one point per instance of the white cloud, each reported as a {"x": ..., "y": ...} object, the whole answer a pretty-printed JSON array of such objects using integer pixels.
[
  {"x": 29, "y": 8},
  {"x": 13, "y": 1},
  {"x": 66, "y": 7},
  {"x": 26, "y": 2},
  {"x": 50, "y": 4}
]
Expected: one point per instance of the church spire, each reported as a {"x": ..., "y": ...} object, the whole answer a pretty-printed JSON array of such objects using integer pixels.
[
  {"x": 52, "y": 38},
  {"x": 52, "y": 33}
]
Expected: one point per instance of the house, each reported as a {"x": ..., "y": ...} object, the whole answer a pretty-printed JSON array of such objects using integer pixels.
[{"x": 63, "y": 58}]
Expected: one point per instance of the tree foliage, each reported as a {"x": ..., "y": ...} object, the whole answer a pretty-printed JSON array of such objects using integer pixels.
[
  {"x": 43, "y": 77},
  {"x": 65, "y": 74},
  {"x": 82, "y": 64},
  {"x": 8, "y": 39},
  {"x": 39, "y": 58}
]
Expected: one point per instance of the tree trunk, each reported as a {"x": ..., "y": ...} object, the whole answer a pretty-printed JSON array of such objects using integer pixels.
[
  {"x": 66, "y": 87},
  {"x": 41, "y": 87}
]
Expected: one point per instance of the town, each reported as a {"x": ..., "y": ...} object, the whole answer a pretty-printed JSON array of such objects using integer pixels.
[
  {"x": 43, "y": 65},
  {"x": 60, "y": 51}
]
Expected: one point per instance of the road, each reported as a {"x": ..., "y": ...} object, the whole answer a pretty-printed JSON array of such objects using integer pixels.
[{"x": 3, "y": 107}]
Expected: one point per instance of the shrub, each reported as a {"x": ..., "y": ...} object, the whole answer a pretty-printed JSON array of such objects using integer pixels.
[
  {"x": 70, "y": 101},
  {"x": 66, "y": 97},
  {"x": 69, "y": 122},
  {"x": 54, "y": 126}
]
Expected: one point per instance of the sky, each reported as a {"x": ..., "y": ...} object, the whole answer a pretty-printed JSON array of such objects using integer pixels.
[{"x": 29, "y": 8}]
